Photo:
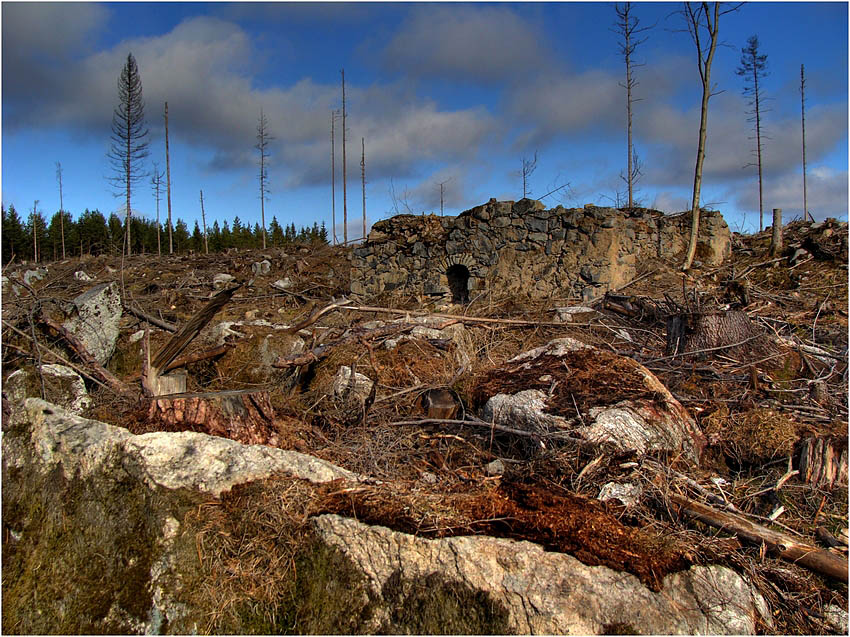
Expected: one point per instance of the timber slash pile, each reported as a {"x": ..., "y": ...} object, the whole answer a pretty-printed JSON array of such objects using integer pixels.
[{"x": 234, "y": 444}]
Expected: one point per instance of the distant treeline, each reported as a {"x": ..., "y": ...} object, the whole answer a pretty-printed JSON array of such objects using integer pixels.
[{"x": 94, "y": 234}]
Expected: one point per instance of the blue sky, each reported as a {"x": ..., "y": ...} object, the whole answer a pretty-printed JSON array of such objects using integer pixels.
[{"x": 441, "y": 92}]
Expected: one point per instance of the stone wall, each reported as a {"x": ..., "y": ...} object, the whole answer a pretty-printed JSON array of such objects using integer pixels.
[{"x": 508, "y": 247}]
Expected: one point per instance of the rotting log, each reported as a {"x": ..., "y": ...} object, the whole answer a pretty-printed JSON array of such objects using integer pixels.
[
  {"x": 789, "y": 549},
  {"x": 246, "y": 416},
  {"x": 707, "y": 331}
]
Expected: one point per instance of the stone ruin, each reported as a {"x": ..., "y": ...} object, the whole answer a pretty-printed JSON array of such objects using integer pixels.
[{"x": 507, "y": 247}]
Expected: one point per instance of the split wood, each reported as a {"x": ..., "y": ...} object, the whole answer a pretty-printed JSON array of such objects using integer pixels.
[{"x": 810, "y": 557}]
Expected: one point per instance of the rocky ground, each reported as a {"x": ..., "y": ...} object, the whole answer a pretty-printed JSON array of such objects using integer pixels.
[{"x": 568, "y": 424}]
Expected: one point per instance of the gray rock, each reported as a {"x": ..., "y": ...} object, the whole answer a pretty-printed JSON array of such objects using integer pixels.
[
  {"x": 576, "y": 314},
  {"x": 495, "y": 468},
  {"x": 347, "y": 383},
  {"x": 284, "y": 284},
  {"x": 629, "y": 494},
  {"x": 95, "y": 316},
  {"x": 836, "y": 618},
  {"x": 82, "y": 276},
  {"x": 542, "y": 592},
  {"x": 221, "y": 281},
  {"x": 31, "y": 276},
  {"x": 63, "y": 386},
  {"x": 262, "y": 267},
  {"x": 184, "y": 460}
]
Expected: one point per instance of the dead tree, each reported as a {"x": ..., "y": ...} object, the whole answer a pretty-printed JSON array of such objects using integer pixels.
[
  {"x": 776, "y": 234},
  {"x": 363, "y": 180},
  {"x": 803, "y": 121},
  {"x": 35, "y": 231},
  {"x": 627, "y": 26},
  {"x": 702, "y": 23},
  {"x": 263, "y": 139},
  {"x": 344, "y": 200},
  {"x": 334, "y": 115},
  {"x": 528, "y": 167},
  {"x": 168, "y": 183},
  {"x": 204, "y": 222},
  {"x": 61, "y": 207},
  {"x": 753, "y": 68},
  {"x": 156, "y": 182},
  {"x": 699, "y": 333}
]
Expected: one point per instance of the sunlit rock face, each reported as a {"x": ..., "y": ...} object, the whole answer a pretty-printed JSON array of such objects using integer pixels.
[{"x": 507, "y": 247}]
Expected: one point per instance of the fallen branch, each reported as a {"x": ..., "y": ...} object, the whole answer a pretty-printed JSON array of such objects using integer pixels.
[
  {"x": 316, "y": 315},
  {"x": 164, "y": 325},
  {"x": 812, "y": 558},
  {"x": 85, "y": 356},
  {"x": 463, "y": 319},
  {"x": 317, "y": 353}
]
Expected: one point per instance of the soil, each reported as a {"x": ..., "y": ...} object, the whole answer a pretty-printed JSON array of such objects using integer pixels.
[{"x": 756, "y": 407}]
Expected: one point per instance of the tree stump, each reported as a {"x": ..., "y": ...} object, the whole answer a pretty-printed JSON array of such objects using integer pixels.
[
  {"x": 731, "y": 331},
  {"x": 244, "y": 416},
  {"x": 823, "y": 462}
]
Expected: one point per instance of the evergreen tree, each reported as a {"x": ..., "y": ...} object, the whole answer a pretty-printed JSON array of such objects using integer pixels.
[
  {"x": 129, "y": 144},
  {"x": 197, "y": 238},
  {"x": 215, "y": 237},
  {"x": 226, "y": 237},
  {"x": 14, "y": 235},
  {"x": 181, "y": 236},
  {"x": 276, "y": 233}
]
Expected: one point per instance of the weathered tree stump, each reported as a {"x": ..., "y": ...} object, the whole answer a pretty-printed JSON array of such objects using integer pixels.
[
  {"x": 707, "y": 332},
  {"x": 823, "y": 462},
  {"x": 244, "y": 416}
]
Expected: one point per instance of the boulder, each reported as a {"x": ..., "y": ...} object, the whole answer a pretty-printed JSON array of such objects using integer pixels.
[
  {"x": 221, "y": 281},
  {"x": 117, "y": 522},
  {"x": 261, "y": 267},
  {"x": 62, "y": 385},
  {"x": 347, "y": 383},
  {"x": 94, "y": 318},
  {"x": 82, "y": 276},
  {"x": 521, "y": 588},
  {"x": 568, "y": 386},
  {"x": 31, "y": 276}
]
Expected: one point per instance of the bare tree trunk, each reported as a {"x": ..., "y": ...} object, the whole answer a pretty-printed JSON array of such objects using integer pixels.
[
  {"x": 776, "y": 235},
  {"x": 61, "y": 208},
  {"x": 333, "y": 177},
  {"x": 35, "y": 232},
  {"x": 204, "y": 221},
  {"x": 695, "y": 22},
  {"x": 803, "y": 118},
  {"x": 363, "y": 180},
  {"x": 168, "y": 182},
  {"x": 344, "y": 201},
  {"x": 702, "y": 332}
]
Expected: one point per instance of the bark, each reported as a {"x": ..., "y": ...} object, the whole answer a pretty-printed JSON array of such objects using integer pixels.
[
  {"x": 689, "y": 333},
  {"x": 244, "y": 416},
  {"x": 789, "y": 549},
  {"x": 823, "y": 462},
  {"x": 776, "y": 235}
]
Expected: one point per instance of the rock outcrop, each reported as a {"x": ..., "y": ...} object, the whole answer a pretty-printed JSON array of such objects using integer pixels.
[
  {"x": 119, "y": 519},
  {"x": 94, "y": 318},
  {"x": 507, "y": 247}
]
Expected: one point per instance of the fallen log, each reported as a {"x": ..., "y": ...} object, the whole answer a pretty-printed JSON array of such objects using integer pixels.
[
  {"x": 165, "y": 325},
  {"x": 789, "y": 549}
]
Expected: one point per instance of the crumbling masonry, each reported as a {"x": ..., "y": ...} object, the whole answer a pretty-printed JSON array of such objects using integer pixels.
[{"x": 507, "y": 247}]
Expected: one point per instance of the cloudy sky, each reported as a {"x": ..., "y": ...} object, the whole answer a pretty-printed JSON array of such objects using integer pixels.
[{"x": 446, "y": 93}]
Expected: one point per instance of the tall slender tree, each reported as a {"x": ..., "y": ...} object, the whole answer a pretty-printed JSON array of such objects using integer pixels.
[
  {"x": 156, "y": 182},
  {"x": 803, "y": 121},
  {"x": 344, "y": 200},
  {"x": 702, "y": 23},
  {"x": 168, "y": 183},
  {"x": 754, "y": 68},
  {"x": 61, "y": 207},
  {"x": 129, "y": 136},
  {"x": 363, "y": 180},
  {"x": 263, "y": 140},
  {"x": 334, "y": 117},
  {"x": 204, "y": 221},
  {"x": 528, "y": 168},
  {"x": 629, "y": 27}
]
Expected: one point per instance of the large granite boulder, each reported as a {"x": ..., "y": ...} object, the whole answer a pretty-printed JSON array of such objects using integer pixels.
[{"x": 94, "y": 317}]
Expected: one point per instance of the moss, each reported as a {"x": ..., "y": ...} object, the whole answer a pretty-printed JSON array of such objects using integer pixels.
[
  {"x": 82, "y": 563},
  {"x": 434, "y": 606}
]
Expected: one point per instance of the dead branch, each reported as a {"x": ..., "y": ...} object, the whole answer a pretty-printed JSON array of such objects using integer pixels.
[
  {"x": 812, "y": 558},
  {"x": 168, "y": 327},
  {"x": 85, "y": 356},
  {"x": 315, "y": 316},
  {"x": 462, "y": 319}
]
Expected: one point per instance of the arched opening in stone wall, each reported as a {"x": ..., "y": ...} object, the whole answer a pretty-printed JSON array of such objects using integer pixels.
[{"x": 458, "y": 276}]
